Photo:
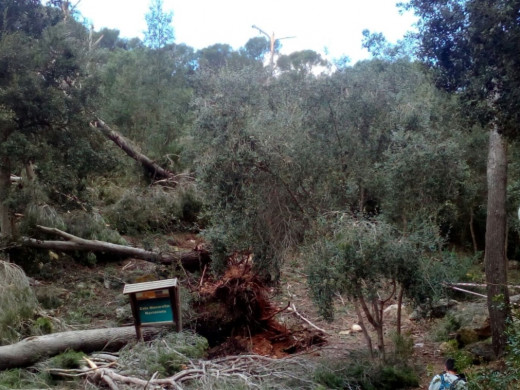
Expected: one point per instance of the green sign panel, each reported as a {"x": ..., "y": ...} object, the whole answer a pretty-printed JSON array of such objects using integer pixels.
[{"x": 155, "y": 310}]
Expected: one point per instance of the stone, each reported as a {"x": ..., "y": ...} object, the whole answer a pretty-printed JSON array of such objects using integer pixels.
[
  {"x": 482, "y": 351},
  {"x": 466, "y": 336}
]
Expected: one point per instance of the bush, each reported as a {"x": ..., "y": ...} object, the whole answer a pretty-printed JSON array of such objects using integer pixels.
[
  {"x": 362, "y": 373},
  {"x": 154, "y": 209},
  {"x": 445, "y": 327},
  {"x": 17, "y": 303}
]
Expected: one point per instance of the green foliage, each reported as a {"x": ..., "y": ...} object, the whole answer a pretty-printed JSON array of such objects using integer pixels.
[
  {"x": 506, "y": 378},
  {"x": 360, "y": 256},
  {"x": 160, "y": 30},
  {"x": 445, "y": 327},
  {"x": 43, "y": 215},
  {"x": 17, "y": 302},
  {"x": 91, "y": 226},
  {"x": 362, "y": 373},
  {"x": 154, "y": 209},
  {"x": 165, "y": 355},
  {"x": 42, "y": 325},
  {"x": 146, "y": 96},
  {"x": 22, "y": 379},
  {"x": 68, "y": 359},
  {"x": 402, "y": 350}
]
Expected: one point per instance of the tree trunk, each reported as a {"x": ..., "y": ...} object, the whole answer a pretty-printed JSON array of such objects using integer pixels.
[
  {"x": 6, "y": 221},
  {"x": 495, "y": 256},
  {"x": 190, "y": 260},
  {"x": 35, "y": 349},
  {"x": 399, "y": 309},
  {"x": 472, "y": 231},
  {"x": 156, "y": 171}
]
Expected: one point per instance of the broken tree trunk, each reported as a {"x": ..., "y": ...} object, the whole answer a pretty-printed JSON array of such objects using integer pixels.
[
  {"x": 155, "y": 170},
  {"x": 191, "y": 260},
  {"x": 35, "y": 349}
]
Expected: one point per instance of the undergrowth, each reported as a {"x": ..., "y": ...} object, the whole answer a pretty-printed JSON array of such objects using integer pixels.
[
  {"x": 154, "y": 209},
  {"x": 17, "y": 303},
  {"x": 363, "y": 373}
]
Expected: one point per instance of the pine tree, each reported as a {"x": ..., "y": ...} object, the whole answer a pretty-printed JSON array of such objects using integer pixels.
[{"x": 160, "y": 30}]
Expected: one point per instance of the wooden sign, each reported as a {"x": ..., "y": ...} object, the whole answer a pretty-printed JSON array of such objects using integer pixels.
[{"x": 155, "y": 303}]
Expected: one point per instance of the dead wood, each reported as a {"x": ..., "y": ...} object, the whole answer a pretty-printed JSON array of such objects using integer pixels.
[
  {"x": 35, "y": 349},
  {"x": 239, "y": 303},
  {"x": 156, "y": 171},
  {"x": 190, "y": 260}
]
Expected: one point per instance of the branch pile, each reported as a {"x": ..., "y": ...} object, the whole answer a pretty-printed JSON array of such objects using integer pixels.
[{"x": 251, "y": 371}]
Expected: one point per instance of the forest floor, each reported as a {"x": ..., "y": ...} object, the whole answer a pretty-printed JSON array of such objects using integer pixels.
[{"x": 91, "y": 297}]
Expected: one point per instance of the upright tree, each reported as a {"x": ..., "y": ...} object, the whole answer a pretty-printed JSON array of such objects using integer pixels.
[
  {"x": 159, "y": 22},
  {"x": 474, "y": 48}
]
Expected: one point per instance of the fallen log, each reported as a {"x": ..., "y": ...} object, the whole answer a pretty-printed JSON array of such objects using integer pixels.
[
  {"x": 156, "y": 171},
  {"x": 35, "y": 349},
  {"x": 189, "y": 260}
]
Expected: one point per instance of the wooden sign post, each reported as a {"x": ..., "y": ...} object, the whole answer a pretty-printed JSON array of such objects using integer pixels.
[{"x": 155, "y": 303}]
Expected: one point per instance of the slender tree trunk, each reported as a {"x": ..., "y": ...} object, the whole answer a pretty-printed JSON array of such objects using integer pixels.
[
  {"x": 6, "y": 221},
  {"x": 399, "y": 309},
  {"x": 495, "y": 256},
  {"x": 364, "y": 328},
  {"x": 29, "y": 170},
  {"x": 472, "y": 230}
]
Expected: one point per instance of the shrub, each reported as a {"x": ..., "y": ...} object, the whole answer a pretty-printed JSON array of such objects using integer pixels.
[
  {"x": 445, "y": 327},
  {"x": 17, "y": 302},
  {"x": 362, "y": 373},
  {"x": 153, "y": 209}
]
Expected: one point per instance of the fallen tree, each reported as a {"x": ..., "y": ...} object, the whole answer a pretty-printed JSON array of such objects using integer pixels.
[
  {"x": 157, "y": 172},
  {"x": 189, "y": 260},
  {"x": 35, "y": 349}
]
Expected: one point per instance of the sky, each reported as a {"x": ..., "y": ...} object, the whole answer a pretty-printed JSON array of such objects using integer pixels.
[{"x": 330, "y": 27}]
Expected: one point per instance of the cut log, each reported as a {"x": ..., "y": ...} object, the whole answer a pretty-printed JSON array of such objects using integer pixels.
[
  {"x": 35, "y": 349},
  {"x": 157, "y": 172},
  {"x": 190, "y": 260}
]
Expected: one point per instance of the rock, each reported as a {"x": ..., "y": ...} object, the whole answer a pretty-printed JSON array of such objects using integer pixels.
[
  {"x": 482, "y": 351},
  {"x": 356, "y": 328},
  {"x": 440, "y": 308},
  {"x": 446, "y": 348},
  {"x": 435, "y": 310},
  {"x": 466, "y": 336}
]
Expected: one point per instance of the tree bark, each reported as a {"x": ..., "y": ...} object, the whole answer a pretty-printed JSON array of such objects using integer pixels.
[
  {"x": 156, "y": 171},
  {"x": 190, "y": 260},
  {"x": 472, "y": 231},
  {"x": 35, "y": 349},
  {"x": 495, "y": 255},
  {"x": 6, "y": 221}
]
